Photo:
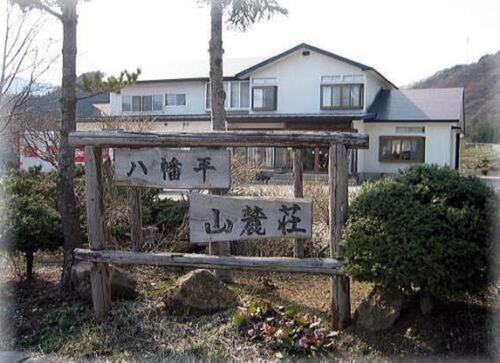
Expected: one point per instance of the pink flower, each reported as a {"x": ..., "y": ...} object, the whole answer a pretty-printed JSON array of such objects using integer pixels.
[
  {"x": 303, "y": 343},
  {"x": 266, "y": 328},
  {"x": 319, "y": 334},
  {"x": 279, "y": 334},
  {"x": 250, "y": 332},
  {"x": 289, "y": 323}
]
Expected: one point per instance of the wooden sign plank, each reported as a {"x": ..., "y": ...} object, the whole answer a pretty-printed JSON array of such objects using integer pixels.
[
  {"x": 173, "y": 168},
  {"x": 225, "y": 218}
]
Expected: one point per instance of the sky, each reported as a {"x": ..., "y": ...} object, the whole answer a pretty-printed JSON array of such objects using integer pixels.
[{"x": 405, "y": 40}]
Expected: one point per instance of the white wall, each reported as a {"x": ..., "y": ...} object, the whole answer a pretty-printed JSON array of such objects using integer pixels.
[
  {"x": 164, "y": 126},
  {"x": 439, "y": 145},
  {"x": 195, "y": 97},
  {"x": 299, "y": 80}
]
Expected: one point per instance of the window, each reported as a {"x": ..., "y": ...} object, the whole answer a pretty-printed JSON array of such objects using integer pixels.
[
  {"x": 157, "y": 103},
  {"x": 142, "y": 103},
  {"x": 244, "y": 94},
  {"x": 410, "y": 130},
  {"x": 126, "y": 103},
  {"x": 397, "y": 148},
  {"x": 264, "y": 98},
  {"x": 237, "y": 95},
  {"x": 136, "y": 103},
  {"x": 261, "y": 156},
  {"x": 175, "y": 99},
  {"x": 147, "y": 103},
  {"x": 265, "y": 81},
  {"x": 341, "y": 96}
]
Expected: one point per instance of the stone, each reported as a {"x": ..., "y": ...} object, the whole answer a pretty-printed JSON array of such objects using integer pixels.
[
  {"x": 11, "y": 356},
  {"x": 379, "y": 310},
  {"x": 123, "y": 285},
  {"x": 197, "y": 293}
]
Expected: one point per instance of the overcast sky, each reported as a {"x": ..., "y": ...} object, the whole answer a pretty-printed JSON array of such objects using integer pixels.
[{"x": 404, "y": 40}]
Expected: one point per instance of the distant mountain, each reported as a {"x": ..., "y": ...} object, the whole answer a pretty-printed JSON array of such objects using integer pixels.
[{"x": 481, "y": 81}]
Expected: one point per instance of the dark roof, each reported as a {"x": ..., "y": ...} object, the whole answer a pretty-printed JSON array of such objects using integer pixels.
[
  {"x": 314, "y": 49},
  {"x": 85, "y": 107},
  {"x": 432, "y": 104}
]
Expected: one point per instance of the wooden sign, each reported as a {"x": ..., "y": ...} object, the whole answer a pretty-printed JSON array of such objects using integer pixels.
[
  {"x": 173, "y": 168},
  {"x": 224, "y": 218}
]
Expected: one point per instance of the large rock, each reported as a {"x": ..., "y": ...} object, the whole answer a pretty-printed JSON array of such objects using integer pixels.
[
  {"x": 379, "y": 310},
  {"x": 198, "y": 292},
  {"x": 123, "y": 285}
]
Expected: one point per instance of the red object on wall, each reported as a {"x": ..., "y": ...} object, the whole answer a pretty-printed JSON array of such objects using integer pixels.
[
  {"x": 80, "y": 155},
  {"x": 29, "y": 152}
]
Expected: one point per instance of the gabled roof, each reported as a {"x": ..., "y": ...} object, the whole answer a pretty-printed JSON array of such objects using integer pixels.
[
  {"x": 277, "y": 57},
  {"x": 432, "y": 104}
]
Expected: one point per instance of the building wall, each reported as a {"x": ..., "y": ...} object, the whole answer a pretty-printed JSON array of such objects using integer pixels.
[
  {"x": 166, "y": 126},
  {"x": 195, "y": 97},
  {"x": 439, "y": 145},
  {"x": 299, "y": 80}
]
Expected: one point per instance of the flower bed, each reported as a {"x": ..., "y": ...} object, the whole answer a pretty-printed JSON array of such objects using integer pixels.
[{"x": 281, "y": 327}]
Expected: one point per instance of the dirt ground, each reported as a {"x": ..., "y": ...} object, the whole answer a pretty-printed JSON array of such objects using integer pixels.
[{"x": 42, "y": 320}]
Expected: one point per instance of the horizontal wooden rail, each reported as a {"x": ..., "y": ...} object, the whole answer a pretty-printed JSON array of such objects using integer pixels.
[
  {"x": 326, "y": 266},
  {"x": 218, "y": 138}
]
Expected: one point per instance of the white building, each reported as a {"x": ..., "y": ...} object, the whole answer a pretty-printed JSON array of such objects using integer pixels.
[{"x": 307, "y": 88}]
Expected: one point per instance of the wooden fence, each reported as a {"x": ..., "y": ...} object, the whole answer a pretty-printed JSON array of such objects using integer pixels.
[{"x": 338, "y": 143}]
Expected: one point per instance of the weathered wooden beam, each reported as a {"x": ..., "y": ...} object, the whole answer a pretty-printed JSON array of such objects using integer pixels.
[
  {"x": 99, "y": 272},
  {"x": 338, "y": 187},
  {"x": 135, "y": 217},
  {"x": 318, "y": 266},
  {"x": 298, "y": 192},
  {"x": 218, "y": 139}
]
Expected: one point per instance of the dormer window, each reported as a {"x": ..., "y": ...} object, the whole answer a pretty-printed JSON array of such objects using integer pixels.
[{"x": 342, "y": 92}]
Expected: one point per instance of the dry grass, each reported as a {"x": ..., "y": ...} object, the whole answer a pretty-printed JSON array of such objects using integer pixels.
[{"x": 44, "y": 320}]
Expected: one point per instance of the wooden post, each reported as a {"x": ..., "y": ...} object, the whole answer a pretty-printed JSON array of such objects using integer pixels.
[
  {"x": 338, "y": 186},
  {"x": 135, "y": 217},
  {"x": 99, "y": 272},
  {"x": 298, "y": 192}
]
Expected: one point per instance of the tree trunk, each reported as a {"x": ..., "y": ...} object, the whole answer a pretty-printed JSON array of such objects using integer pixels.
[
  {"x": 29, "y": 265},
  {"x": 217, "y": 98},
  {"x": 67, "y": 202},
  {"x": 217, "y": 94}
]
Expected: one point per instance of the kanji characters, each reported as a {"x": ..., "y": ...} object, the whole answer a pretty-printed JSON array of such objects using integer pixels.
[
  {"x": 132, "y": 168},
  {"x": 171, "y": 168},
  {"x": 252, "y": 217},
  {"x": 217, "y": 228},
  {"x": 289, "y": 221},
  {"x": 204, "y": 164}
]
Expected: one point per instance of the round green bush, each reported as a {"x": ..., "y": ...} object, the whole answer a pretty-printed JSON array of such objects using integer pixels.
[{"x": 427, "y": 229}]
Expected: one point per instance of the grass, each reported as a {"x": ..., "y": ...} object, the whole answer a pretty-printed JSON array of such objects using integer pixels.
[{"x": 49, "y": 322}]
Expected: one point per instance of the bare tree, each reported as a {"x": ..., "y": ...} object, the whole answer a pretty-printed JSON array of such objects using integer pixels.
[
  {"x": 23, "y": 62},
  {"x": 66, "y": 12}
]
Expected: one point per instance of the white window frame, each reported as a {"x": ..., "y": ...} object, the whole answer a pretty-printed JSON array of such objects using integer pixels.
[
  {"x": 227, "y": 103},
  {"x": 175, "y": 93}
]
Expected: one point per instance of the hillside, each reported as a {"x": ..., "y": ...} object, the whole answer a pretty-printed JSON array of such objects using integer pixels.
[{"x": 482, "y": 95}]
